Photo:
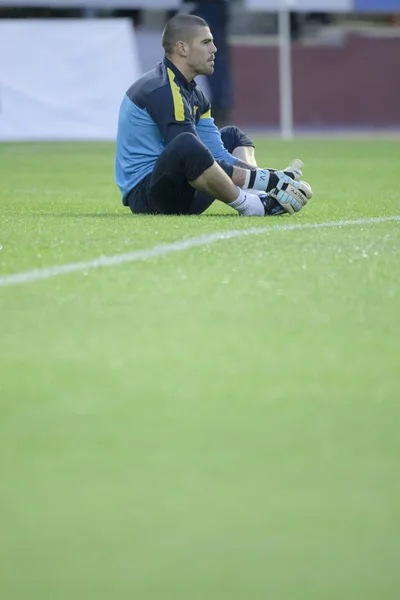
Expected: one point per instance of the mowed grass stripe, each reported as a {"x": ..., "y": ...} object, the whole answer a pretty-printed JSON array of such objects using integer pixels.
[{"x": 164, "y": 249}]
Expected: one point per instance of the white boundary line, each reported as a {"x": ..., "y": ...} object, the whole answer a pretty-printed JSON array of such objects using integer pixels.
[{"x": 163, "y": 249}]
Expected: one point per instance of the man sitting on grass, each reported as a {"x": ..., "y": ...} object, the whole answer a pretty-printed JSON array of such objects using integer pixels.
[{"x": 172, "y": 159}]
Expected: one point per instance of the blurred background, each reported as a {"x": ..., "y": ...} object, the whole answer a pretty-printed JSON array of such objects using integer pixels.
[{"x": 288, "y": 65}]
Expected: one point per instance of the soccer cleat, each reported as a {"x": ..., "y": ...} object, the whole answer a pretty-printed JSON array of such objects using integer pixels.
[
  {"x": 271, "y": 206},
  {"x": 291, "y": 195}
]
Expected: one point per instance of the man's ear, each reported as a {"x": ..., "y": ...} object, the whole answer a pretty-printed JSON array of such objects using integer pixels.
[{"x": 181, "y": 48}]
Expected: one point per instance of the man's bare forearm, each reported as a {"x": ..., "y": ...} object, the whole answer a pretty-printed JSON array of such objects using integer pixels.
[{"x": 243, "y": 165}]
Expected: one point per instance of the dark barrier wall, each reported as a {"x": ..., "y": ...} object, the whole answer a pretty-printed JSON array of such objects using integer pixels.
[
  {"x": 377, "y": 5},
  {"x": 356, "y": 84}
]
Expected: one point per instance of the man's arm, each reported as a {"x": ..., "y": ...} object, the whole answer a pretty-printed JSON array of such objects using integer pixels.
[
  {"x": 170, "y": 113},
  {"x": 243, "y": 165},
  {"x": 210, "y": 135}
]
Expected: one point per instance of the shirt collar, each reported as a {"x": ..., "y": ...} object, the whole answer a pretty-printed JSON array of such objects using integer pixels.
[{"x": 190, "y": 85}]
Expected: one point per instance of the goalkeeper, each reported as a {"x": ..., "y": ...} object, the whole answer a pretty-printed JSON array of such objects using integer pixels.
[{"x": 172, "y": 159}]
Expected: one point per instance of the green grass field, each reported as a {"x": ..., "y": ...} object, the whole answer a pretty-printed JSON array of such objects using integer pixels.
[{"x": 217, "y": 423}]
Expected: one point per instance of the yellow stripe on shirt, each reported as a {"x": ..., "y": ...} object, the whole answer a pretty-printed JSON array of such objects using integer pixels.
[
  {"x": 177, "y": 98},
  {"x": 207, "y": 115}
]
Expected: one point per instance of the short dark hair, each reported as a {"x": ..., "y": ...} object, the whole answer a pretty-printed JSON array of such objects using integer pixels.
[{"x": 180, "y": 27}]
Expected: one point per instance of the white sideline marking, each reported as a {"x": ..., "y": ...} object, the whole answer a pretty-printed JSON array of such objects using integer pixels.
[{"x": 163, "y": 249}]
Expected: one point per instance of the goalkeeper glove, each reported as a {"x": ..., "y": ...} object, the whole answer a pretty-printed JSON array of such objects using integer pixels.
[{"x": 291, "y": 195}]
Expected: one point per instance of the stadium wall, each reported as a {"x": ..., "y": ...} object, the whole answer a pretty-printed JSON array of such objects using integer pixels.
[{"x": 355, "y": 84}]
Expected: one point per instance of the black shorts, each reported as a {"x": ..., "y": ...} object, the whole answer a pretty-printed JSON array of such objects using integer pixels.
[{"x": 166, "y": 190}]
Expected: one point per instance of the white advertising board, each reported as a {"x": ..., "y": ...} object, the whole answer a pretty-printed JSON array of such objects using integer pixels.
[
  {"x": 109, "y": 4},
  {"x": 64, "y": 79}
]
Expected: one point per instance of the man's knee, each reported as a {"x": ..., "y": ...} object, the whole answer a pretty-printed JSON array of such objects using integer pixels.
[
  {"x": 233, "y": 137},
  {"x": 193, "y": 155},
  {"x": 186, "y": 143}
]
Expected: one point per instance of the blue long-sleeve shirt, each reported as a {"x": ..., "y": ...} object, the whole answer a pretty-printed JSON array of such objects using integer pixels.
[{"x": 156, "y": 108}]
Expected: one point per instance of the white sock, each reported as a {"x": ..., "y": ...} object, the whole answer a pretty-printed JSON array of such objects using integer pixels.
[
  {"x": 254, "y": 192},
  {"x": 261, "y": 180},
  {"x": 248, "y": 205}
]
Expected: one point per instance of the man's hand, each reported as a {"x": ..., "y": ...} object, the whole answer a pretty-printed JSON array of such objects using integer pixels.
[
  {"x": 291, "y": 195},
  {"x": 294, "y": 170}
]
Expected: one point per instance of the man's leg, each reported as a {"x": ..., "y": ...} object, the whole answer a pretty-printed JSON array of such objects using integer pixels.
[
  {"x": 187, "y": 166},
  {"x": 170, "y": 190},
  {"x": 186, "y": 179},
  {"x": 283, "y": 187}
]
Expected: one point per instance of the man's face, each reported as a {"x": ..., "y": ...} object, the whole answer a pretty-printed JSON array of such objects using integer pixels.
[{"x": 201, "y": 52}]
